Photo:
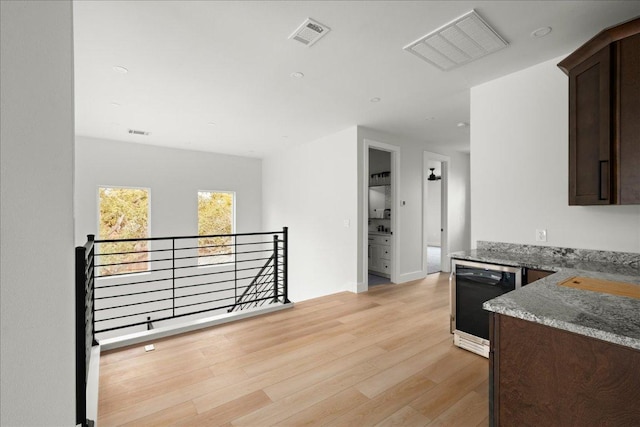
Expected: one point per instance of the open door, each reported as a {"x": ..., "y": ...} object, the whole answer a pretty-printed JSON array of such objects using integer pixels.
[{"x": 435, "y": 240}]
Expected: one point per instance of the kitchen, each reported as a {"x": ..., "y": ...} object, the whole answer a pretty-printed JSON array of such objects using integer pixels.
[{"x": 586, "y": 301}]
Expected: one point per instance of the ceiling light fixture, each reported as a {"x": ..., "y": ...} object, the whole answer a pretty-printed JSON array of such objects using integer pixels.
[
  {"x": 376, "y": 99},
  {"x": 120, "y": 70},
  {"x": 297, "y": 75},
  {"x": 211, "y": 124},
  {"x": 462, "y": 40},
  {"x": 540, "y": 32},
  {"x": 433, "y": 176},
  {"x": 115, "y": 104},
  {"x": 463, "y": 124}
]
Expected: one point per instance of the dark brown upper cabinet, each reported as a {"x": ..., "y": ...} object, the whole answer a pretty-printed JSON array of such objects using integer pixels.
[{"x": 604, "y": 117}]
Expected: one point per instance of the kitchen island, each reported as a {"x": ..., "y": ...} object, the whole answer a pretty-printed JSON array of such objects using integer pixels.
[{"x": 559, "y": 355}]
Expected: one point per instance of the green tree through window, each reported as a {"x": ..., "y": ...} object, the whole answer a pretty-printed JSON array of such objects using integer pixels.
[
  {"x": 124, "y": 214},
  {"x": 215, "y": 216}
]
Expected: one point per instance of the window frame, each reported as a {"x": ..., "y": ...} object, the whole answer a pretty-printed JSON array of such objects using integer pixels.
[
  {"x": 99, "y": 237},
  {"x": 233, "y": 226}
]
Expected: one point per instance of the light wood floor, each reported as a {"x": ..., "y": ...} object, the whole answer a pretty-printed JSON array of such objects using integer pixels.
[{"x": 381, "y": 358}]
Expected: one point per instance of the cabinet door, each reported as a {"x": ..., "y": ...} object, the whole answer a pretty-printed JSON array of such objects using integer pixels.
[
  {"x": 375, "y": 262},
  {"x": 373, "y": 259},
  {"x": 590, "y": 131},
  {"x": 628, "y": 119},
  {"x": 546, "y": 376}
]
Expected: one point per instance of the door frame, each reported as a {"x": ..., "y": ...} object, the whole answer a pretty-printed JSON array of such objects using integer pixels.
[
  {"x": 395, "y": 209},
  {"x": 445, "y": 161}
]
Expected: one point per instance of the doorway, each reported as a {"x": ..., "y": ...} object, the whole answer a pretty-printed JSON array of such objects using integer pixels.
[
  {"x": 380, "y": 208},
  {"x": 433, "y": 207},
  {"x": 380, "y": 231},
  {"x": 435, "y": 237}
]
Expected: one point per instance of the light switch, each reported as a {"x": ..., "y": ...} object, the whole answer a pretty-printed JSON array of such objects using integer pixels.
[{"x": 346, "y": 223}]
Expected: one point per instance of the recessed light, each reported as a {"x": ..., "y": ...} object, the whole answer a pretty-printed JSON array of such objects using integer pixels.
[
  {"x": 297, "y": 75},
  {"x": 115, "y": 104},
  {"x": 120, "y": 70},
  {"x": 462, "y": 124},
  {"x": 376, "y": 99},
  {"x": 540, "y": 32}
]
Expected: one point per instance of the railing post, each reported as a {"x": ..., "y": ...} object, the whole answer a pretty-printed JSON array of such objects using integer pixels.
[
  {"x": 173, "y": 278},
  {"x": 275, "y": 268},
  {"x": 235, "y": 270},
  {"x": 92, "y": 271},
  {"x": 285, "y": 265},
  {"x": 81, "y": 335}
]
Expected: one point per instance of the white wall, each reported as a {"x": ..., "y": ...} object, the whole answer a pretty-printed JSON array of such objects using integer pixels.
[
  {"x": 174, "y": 177},
  {"x": 412, "y": 179},
  {"x": 311, "y": 188},
  {"x": 37, "y": 376},
  {"x": 519, "y": 168}
]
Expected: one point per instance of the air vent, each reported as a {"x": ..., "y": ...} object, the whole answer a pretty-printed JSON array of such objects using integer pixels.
[
  {"x": 462, "y": 40},
  {"x": 138, "y": 132},
  {"x": 309, "y": 32}
]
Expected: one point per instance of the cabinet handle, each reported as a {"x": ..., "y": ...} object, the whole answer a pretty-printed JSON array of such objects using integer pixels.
[{"x": 604, "y": 180}]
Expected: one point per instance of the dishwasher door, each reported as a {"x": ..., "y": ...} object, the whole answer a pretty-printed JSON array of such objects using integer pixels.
[{"x": 472, "y": 284}]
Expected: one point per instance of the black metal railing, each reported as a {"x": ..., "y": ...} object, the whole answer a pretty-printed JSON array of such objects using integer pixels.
[
  {"x": 129, "y": 283},
  {"x": 85, "y": 338},
  {"x": 145, "y": 281}
]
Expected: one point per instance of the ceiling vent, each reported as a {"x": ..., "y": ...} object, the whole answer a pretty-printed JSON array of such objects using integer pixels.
[
  {"x": 462, "y": 40},
  {"x": 309, "y": 32},
  {"x": 138, "y": 132}
]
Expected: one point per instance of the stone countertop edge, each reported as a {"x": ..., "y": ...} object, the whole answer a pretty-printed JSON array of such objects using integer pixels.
[
  {"x": 610, "y": 318},
  {"x": 544, "y": 263}
]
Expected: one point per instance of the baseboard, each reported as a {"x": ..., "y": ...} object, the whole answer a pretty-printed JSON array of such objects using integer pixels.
[
  {"x": 165, "y": 331},
  {"x": 415, "y": 275},
  {"x": 361, "y": 287}
]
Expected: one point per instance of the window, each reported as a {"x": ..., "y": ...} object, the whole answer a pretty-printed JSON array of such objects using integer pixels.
[
  {"x": 215, "y": 216},
  {"x": 124, "y": 214}
]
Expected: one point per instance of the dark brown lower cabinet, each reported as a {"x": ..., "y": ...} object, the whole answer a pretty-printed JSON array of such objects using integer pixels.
[
  {"x": 543, "y": 376},
  {"x": 532, "y": 275}
]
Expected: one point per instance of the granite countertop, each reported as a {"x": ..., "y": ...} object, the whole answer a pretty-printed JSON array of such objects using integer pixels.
[
  {"x": 545, "y": 262},
  {"x": 603, "y": 316}
]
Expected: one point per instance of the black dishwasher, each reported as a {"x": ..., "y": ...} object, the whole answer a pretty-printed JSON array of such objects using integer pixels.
[{"x": 473, "y": 283}]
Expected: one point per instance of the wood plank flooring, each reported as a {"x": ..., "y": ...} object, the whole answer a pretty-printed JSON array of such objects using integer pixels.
[{"x": 381, "y": 358}]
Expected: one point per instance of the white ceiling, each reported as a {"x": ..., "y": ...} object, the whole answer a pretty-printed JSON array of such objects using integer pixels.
[{"x": 230, "y": 63}]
